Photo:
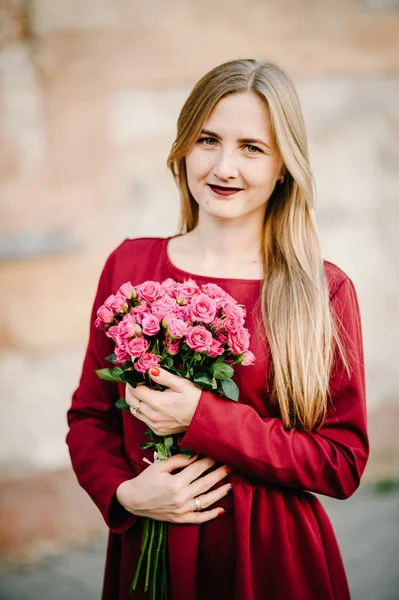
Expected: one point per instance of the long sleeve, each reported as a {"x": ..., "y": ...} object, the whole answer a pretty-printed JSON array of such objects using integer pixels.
[
  {"x": 329, "y": 461},
  {"x": 95, "y": 426}
]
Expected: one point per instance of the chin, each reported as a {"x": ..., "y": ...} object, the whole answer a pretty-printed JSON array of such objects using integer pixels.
[{"x": 224, "y": 215}]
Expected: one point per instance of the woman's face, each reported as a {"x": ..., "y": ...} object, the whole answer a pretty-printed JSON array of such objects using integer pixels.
[{"x": 235, "y": 150}]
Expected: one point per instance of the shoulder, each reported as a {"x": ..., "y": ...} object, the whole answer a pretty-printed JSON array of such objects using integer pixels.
[
  {"x": 132, "y": 259},
  {"x": 336, "y": 278},
  {"x": 136, "y": 247},
  {"x": 131, "y": 249}
]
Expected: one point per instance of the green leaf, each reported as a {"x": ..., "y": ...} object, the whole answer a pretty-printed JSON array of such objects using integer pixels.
[
  {"x": 186, "y": 453},
  {"x": 168, "y": 362},
  {"x": 222, "y": 370},
  {"x": 132, "y": 377},
  {"x": 110, "y": 374},
  {"x": 122, "y": 404},
  {"x": 163, "y": 451},
  {"x": 149, "y": 445},
  {"x": 230, "y": 389},
  {"x": 111, "y": 358},
  {"x": 214, "y": 384},
  {"x": 168, "y": 441},
  {"x": 203, "y": 379},
  {"x": 150, "y": 434}
]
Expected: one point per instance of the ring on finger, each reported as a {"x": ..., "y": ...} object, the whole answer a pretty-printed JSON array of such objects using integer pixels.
[
  {"x": 135, "y": 409},
  {"x": 197, "y": 504}
]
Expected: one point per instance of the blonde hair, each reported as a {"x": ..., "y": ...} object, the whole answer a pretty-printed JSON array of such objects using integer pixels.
[{"x": 295, "y": 304}]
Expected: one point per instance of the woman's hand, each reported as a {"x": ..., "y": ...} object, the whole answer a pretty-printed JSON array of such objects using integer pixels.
[
  {"x": 167, "y": 412},
  {"x": 158, "y": 494}
]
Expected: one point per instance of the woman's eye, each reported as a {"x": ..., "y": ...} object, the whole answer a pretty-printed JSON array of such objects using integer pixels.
[
  {"x": 208, "y": 141},
  {"x": 253, "y": 149}
]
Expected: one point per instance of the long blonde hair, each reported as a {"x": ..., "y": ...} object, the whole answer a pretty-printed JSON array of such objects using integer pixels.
[{"x": 295, "y": 305}]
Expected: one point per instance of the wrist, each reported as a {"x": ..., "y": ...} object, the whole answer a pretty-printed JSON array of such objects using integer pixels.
[{"x": 125, "y": 495}]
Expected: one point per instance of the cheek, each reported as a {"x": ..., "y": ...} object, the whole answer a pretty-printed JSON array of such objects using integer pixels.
[
  {"x": 198, "y": 164},
  {"x": 262, "y": 176}
]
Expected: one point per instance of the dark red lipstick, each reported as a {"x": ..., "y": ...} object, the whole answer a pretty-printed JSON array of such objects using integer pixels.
[{"x": 224, "y": 191}]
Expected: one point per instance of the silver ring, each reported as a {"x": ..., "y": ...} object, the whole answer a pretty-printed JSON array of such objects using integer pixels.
[
  {"x": 197, "y": 504},
  {"x": 135, "y": 409}
]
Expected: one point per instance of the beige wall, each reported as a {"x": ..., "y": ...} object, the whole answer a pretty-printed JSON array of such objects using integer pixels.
[{"x": 90, "y": 94}]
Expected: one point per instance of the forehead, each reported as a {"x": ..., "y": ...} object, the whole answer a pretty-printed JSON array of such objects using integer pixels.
[{"x": 240, "y": 115}]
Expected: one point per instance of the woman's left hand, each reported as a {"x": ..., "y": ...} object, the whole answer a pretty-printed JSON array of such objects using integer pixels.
[{"x": 167, "y": 412}]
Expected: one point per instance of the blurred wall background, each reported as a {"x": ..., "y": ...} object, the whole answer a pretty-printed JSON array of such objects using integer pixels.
[{"x": 90, "y": 91}]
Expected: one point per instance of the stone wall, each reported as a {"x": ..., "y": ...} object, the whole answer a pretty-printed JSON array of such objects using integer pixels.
[{"x": 90, "y": 94}]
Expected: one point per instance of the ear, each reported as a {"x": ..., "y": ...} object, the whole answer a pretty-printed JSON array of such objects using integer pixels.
[{"x": 282, "y": 175}]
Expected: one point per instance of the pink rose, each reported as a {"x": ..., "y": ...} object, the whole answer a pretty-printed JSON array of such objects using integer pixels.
[
  {"x": 232, "y": 309},
  {"x": 176, "y": 327},
  {"x": 129, "y": 327},
  {"x": 148, "y": 360},
  {"x": 137, "y": 346},
  {"x": 117, "y": 302},
  {"x": 199, "y": 338},
  {"x": 127, "y": 291},
  {"x": 173, "y": 347},
  {"x": 162, "y": 307},
  {"x": 213, "y": 291},
  {"x": 222, "y": 338},
  {"x": 249, "y": 359},
  {"x": 233, "y": 323},
  {"x": 239, "y": 341},
  {"x": 182, "y": 312},
  {"x": 140, "y": 310},
  {"x": 216, "y": 349},
  {"x": 203, "y": 308},
  {"x": 108, "y": 302},
  {"x": 150, "y": 324},
  {"x": 149, "y": 291},
  {"x": 169, "y": 285},
  {"x": 185, "y": 291},
  {"x": 113, "y": 332},
  {"x": 121, "y": 353},
  {"x": 218, "y": 324},
  {"x": 105, "y": 314}
]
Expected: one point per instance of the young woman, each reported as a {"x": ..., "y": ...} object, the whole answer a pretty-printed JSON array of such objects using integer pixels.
[{"x": 247, "y": 224}]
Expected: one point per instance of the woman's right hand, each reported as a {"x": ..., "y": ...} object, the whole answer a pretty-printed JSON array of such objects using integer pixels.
[{"x": 158, "y": 494}]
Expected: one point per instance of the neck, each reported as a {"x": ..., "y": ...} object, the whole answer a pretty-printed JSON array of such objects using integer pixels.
[{"x": 227, "y": 243}]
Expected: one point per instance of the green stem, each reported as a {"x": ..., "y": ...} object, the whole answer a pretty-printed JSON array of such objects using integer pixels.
[
  {"x": 190, "y": 365},
  {"x": 164, "y": 564},
  {"x": 147, "y": 575},
  {"x": 155, "y": 574},
  {"x": 142, "y": 552}
]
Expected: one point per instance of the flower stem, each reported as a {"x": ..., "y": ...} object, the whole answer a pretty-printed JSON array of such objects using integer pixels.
[
  {"x": 164, "y": 590},
  {"x": 155, "y": 574},
  {"x": 147, "y": 575},
  {"x": 142, "y": 552}
]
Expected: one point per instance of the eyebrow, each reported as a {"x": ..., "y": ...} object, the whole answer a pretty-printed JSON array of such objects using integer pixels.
[{"x": 240, "y": 141}]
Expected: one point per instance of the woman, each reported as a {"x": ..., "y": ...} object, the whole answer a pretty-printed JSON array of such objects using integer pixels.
[{"x": 247, "y": 223}]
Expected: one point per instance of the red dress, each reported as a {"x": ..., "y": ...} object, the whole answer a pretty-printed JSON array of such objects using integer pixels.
[{"x": 275, "y": 541}]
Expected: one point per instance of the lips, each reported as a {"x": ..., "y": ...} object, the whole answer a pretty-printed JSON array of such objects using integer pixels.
[{"x": 224, "y": 191}]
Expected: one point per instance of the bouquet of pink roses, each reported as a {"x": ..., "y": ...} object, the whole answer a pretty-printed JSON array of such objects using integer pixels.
[{"x": 193, "y": 331}]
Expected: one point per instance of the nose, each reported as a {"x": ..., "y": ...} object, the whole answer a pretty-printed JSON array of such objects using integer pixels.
[{"x": 225, "y": 166}]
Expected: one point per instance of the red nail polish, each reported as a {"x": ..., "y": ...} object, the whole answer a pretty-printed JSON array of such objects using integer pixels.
[
  {"x": 155, "y": 371},
  {"x": 228, "y": 470},
  {"x": 221, "y": 512}
]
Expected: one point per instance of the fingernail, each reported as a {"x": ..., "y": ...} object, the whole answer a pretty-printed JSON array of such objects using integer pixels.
[
  {"x": 228, "y": 470},
  {"x": 155, "y": 371},
  {"x": 229, "y": 489},
  {"x": 221, "y": 512}
]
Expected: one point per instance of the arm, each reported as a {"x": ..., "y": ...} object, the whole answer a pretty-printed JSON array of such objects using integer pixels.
[
  {"x": 330, "y": 461},
  {"x": 95, "y": 436}
]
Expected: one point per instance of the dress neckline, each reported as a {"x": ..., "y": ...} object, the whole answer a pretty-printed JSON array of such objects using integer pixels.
[{"x": 208, "y": 278}]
